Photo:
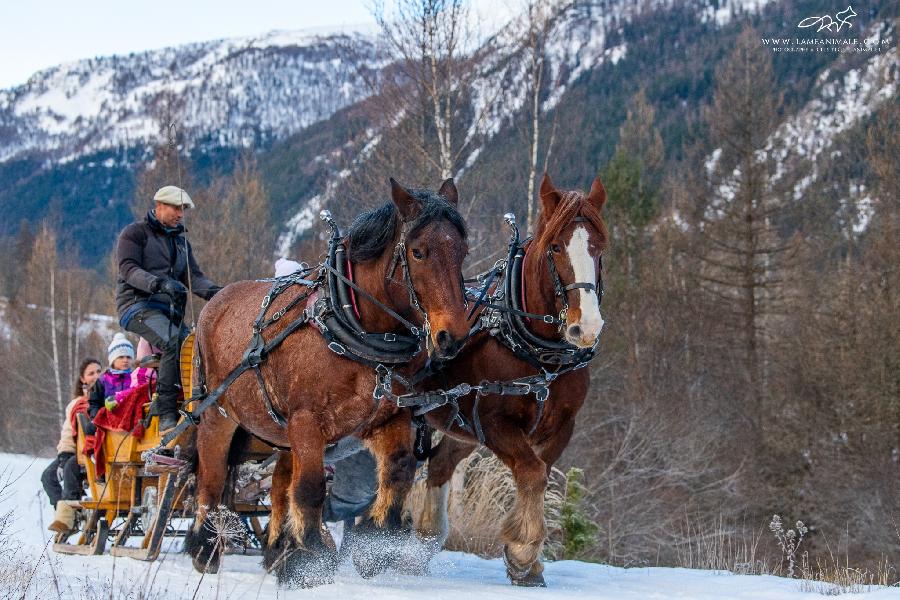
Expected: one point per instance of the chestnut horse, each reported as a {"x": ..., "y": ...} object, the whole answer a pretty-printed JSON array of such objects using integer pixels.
[
  {"x": 324, "y": 397},
  {"x": 528, "y": 442}
]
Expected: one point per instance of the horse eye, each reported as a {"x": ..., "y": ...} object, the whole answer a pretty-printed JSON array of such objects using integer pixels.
[
  {"x": 555, "y": 248},
  {"x": 417, "y": 254}
]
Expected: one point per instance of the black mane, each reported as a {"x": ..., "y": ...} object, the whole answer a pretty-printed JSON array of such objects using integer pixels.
[{"x": 372, "y": 231}]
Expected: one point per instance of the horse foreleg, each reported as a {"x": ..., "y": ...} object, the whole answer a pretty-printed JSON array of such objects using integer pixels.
[
  {"x": 524, "y": 529},
  {"x": 307, "y": 560},
  {"x": 203, "y": 542},
  {"x": 433, "y": 525},
  {"x": 551, "y": 449},
  {"x": 378, "y": 539}
]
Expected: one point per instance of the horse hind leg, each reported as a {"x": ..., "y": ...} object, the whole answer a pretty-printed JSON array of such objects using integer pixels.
[
  {"x": 378, "y": 539},
  {"x": 300, "y": 556},
  {"x": 203, "y": 542},
  {"x": 278, "y": 535},
  {"x": 433, "y": 525}
]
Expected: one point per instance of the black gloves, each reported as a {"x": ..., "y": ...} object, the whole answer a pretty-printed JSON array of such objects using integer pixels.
[{"x": 174, "y": 289}]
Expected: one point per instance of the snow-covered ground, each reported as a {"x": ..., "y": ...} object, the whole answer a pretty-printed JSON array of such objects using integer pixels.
[{"x": 453, "y": 575}]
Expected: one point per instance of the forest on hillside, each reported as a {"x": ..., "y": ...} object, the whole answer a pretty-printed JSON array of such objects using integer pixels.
[{"x": 750, "y": 364}]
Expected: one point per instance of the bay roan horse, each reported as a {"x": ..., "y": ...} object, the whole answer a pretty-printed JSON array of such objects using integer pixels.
[
  {"x": 325, "y": 397},
  {"x": 570, "y": 226}
]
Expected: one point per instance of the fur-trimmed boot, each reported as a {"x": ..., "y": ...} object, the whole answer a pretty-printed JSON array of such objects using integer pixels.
[{"x": 64, "y": 520}]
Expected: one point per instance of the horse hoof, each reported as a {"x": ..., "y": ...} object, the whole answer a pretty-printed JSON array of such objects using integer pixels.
[
  {"x": 530, "y": 576},
  {"x": 301, "y": 569},
  {"x": 370, "y": 563},
  {"x": 374, "y": 550},
  {"x": 416, "y": 554},
  {"x": 529, "y": 580},
  {"x": 205, "y": 566}
]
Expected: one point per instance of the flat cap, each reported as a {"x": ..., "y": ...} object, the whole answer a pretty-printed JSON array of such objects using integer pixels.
[{"x": 173, "y": 195}]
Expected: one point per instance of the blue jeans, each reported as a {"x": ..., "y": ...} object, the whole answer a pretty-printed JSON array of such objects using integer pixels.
[
  {"x": 159, "y": 330},
  {"x": 71, "y": 488}
]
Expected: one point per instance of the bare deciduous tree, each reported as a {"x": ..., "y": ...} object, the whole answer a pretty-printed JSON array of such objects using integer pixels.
[
  {"x": 428, "y": 40},
  {"x": 539, "y": 16},
  {"x": 232, "y": 233}
]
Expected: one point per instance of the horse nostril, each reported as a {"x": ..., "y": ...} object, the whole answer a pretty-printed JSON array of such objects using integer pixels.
[
  {"x": 574, "y": 332},
  {"x": 444, "y": 339}
]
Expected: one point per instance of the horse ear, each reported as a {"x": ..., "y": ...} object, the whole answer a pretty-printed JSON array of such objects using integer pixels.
[
  {"x": 550, "y": 196},
  {"x": 448, "y": 191},
  {"x": 406, "y": 204},
  {"x": 597, "y": 197}
]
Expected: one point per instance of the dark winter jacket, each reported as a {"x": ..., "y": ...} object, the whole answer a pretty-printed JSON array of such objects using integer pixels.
[{"x": 147, "y": 254}]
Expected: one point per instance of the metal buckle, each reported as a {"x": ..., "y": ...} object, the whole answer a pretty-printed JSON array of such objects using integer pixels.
[
  {"x": 550, "y": 319},
  {"x": 222, "y": 410},
  {"x": 390, "y": 337},
  {"x": 320, "y": 324},
  {"x": 337, "y": 348}
]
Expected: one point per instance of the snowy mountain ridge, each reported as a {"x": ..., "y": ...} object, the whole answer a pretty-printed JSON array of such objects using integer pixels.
[
  {"x": 231, "y": 92},
  {"x": 842, "y": 97}
]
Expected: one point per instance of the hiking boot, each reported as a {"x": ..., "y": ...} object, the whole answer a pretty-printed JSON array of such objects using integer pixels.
[
  {"x": 151, "y": 361},
  {"x": 64, "y": 520},
  {"x": 167, "y": 422}
]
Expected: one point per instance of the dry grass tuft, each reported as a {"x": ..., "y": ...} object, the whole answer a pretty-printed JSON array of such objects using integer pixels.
[
  {"x": 482, "y": 491},
  {"x": 721, "y": 546},
  {"x": 834, "y": 575}
]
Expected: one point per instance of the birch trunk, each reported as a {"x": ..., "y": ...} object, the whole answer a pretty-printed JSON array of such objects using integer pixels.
[{"x": 55, "y": 343}]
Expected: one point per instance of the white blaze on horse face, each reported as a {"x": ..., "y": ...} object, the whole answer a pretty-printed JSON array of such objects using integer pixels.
[{"x": 582, "y": 262}]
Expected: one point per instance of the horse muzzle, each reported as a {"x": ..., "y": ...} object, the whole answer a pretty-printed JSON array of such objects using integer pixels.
[{"x": 584, "y": 335}]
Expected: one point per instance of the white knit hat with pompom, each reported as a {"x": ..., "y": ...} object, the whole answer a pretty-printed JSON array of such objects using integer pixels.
[{"x": 120, "y": 346}]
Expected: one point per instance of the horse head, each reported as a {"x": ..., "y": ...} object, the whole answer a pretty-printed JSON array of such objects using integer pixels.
[
  {"x": 417, "y": 243},
  {"x": 435, "y": 246},
  {"x": 565, "y": 258}
]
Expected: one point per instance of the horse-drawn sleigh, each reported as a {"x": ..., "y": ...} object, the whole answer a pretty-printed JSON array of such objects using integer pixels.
[
  {"x": 137, "y": 489},
  {"x": 321, "y": 376}
]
